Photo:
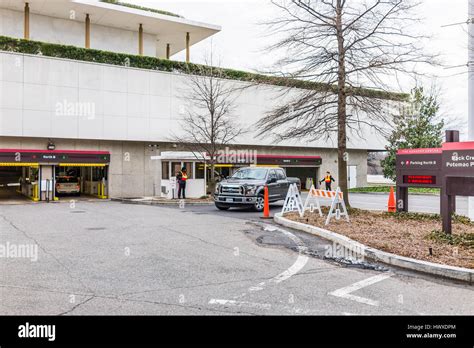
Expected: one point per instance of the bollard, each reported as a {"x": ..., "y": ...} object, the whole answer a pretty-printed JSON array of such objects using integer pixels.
[
  {"x": 266, "y": 204},
  {"x": 36, "y": 194}
]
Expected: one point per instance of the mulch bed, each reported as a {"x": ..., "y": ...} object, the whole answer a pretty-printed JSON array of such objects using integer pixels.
[{"x": 410, "y": 235}]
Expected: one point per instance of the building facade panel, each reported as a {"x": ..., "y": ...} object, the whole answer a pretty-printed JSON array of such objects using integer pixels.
[
  {"x": 127, "y": 113},
  {"x": 11, "y": 68},
  {"x": 11, "y": 121}
]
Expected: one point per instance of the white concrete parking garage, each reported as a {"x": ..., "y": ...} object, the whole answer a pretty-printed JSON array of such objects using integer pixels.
[{"x": 92, "y": 76}]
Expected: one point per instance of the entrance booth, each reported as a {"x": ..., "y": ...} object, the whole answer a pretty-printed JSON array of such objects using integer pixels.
[
  {"x": 39, "y": 172},
  {"x": 171, "y": 164}
]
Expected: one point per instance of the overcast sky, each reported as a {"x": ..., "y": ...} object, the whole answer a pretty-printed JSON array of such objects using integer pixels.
[{"x": 239, "y": 45}]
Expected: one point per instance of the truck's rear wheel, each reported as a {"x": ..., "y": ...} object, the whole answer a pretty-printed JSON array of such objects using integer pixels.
[
  {"x": 222, "y": 207},
  {"x": 259, "y": 203}
]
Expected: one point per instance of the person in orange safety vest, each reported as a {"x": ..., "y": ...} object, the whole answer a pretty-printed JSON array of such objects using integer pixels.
[
  {"x": 181, "y": 178},
  {"x": 328, "y": 179}
]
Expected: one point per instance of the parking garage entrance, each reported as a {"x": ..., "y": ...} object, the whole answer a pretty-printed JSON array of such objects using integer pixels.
[
  {"x": 306, "y": 168},
  {"x": 81, "y": 179},
  {"x": 50, "y": 175},
  {"x": 18, "y": 182}
]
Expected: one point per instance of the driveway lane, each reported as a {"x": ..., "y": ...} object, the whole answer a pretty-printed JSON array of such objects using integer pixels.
[{"x": 134, "y": 259}]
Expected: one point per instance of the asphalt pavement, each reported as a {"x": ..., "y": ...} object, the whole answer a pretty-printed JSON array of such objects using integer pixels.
[{"x": 114, "y": 259}]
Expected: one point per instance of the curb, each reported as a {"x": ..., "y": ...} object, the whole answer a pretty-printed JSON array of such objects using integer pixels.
[
  {"x": 170, "y": 204},
  {"x": 432, "y": 268}
]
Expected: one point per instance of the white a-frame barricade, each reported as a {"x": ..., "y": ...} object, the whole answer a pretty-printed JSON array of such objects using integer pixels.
[
  {"x": 336, "y": 205},
  {"x": 293, "y": 201},
  {"x": 312, "y": 200}
]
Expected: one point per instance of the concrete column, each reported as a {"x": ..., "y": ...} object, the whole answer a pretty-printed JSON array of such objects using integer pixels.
[
  {"x": 471, "y": 92},
  {"x": 88, "y": 32},
  {"x": 168, "y": 51},
  {"x": 140, "y": 40},
  {"x": 26, "y": 32},
  {"x": 187, "y": 48}
]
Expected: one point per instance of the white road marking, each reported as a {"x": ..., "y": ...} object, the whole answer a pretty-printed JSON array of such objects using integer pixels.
[
  {"x": 300, "y": 261},
  {"x": 239, "y": 303},
  {"x": 346, "y": 291},
  {"x": 297, "y": 266}
]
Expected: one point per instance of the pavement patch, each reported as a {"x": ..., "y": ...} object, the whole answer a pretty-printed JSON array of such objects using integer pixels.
[{"x": 314, "y": 247}]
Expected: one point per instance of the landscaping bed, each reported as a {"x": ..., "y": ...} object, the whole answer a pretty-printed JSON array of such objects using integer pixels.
[{"x": 407, "y": 234}]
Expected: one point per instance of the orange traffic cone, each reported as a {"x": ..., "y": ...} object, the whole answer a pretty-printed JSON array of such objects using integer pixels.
[{"x": 392, "y": 208}]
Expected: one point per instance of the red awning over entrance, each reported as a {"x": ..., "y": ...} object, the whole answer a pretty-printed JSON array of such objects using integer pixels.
[{"x": 53, "y": 156}]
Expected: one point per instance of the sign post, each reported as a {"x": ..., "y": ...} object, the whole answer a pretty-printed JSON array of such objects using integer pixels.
[
  {"x": 470, "y": 209},
  {"x": 173, "y": 184},
  {"x": 416, "y": 168},
  {"x": 458, "y": 177},
  {"x": 450, "y": 168}
]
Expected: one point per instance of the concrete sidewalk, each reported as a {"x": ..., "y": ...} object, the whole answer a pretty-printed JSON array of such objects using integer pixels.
[{"x": 164, "y": 201}]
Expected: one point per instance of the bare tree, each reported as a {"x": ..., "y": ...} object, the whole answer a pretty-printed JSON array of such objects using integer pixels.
[
  {"x": 341, "y": 46},
  {"x": 208, "y": 124}
]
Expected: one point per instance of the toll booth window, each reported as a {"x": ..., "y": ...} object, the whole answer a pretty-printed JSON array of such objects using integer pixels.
[
  {"x": 165, "y": 170},
  {"x": 175, "y": 168},
  {"x": 199, "y": 170},
  {"x": 189, "y": 169},
  {"x": 31, "y": 175}
]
